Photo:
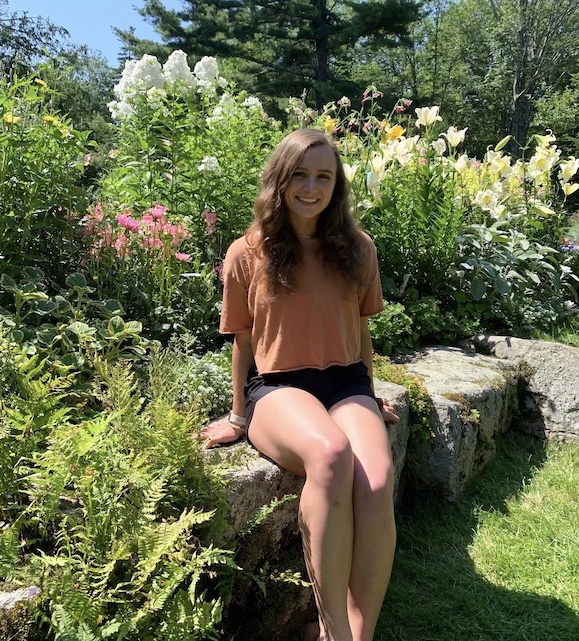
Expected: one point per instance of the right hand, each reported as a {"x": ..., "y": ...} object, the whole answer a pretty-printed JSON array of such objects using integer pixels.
[{"x": 221, "y": 432}]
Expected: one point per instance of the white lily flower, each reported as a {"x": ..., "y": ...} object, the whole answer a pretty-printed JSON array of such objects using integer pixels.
[
  {"x": 378, "y": 162},
  {"x": 439, "y": 146},
  {"x": 427, "y": 116},
  {"x": 372, "y": 181},
  {"x": 568, "y": 169},
  {"x": 350, "y": 171},
  {"x": 461, "y": 164},
  {"x": 455, "y": 136},
  {"x": 499, "y": 162},
  {"x": 569, "y": 188},
  {"x": 487, "y": 200}
]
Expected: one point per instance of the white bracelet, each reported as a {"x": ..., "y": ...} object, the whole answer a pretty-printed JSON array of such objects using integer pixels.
[{"x": 237, "y": 421}]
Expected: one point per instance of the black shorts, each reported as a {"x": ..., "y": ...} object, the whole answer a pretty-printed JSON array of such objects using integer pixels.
[{"x": 329, "y": 386}]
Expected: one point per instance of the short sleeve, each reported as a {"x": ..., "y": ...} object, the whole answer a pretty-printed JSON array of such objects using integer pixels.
[
  {"x": 371, "y": 301},
  {"x": 235, "y": 315}
]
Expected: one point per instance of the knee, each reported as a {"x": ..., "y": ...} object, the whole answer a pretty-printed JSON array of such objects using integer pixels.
[
  {"x": 332, "y": 462},
  {"x": 375, "y": 488}
]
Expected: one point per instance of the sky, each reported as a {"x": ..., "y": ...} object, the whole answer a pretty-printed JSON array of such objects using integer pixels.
[{"x": 90, "y": 22}]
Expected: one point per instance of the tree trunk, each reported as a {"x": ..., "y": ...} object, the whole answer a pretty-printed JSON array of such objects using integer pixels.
[{"x": 322, "y": 51}]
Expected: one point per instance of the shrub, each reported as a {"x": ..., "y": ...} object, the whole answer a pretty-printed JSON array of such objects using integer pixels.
[{"x": 41, "y": 163}]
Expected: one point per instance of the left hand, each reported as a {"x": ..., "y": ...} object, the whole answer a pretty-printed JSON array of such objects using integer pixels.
[{"x": 388, "y": 412}]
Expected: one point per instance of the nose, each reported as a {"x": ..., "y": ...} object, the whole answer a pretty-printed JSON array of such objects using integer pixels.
[{"x": 309, "y": 184}]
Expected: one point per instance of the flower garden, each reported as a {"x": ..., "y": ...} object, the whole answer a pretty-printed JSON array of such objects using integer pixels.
[{"x": 110, "y": 292}]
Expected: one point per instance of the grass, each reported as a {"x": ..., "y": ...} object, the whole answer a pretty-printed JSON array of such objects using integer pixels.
[{"x": 502, "y": 564}]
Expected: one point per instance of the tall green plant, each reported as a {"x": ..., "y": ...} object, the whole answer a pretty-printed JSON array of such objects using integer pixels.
[{"x": 41, "y": 161}]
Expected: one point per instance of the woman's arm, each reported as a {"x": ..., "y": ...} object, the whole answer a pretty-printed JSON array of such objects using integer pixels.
[
  {"x": 241, "y": 361},
  {"x": 388, "y": 412}
]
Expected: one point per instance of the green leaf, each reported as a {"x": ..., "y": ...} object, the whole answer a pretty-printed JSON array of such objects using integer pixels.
[
  {"x": 502, "y": 286},
  {"x": 76, "y": 280},
  {"x": 82, "y": 330},
  {"x": 8, "y": 283},
  {"x": 116, "y": 326},
  {"x": 477, "y": 289},
  {"x": 44, "y": 307}
]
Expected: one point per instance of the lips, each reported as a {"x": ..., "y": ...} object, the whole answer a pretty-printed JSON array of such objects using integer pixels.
[{"x": 308, "y": 201}]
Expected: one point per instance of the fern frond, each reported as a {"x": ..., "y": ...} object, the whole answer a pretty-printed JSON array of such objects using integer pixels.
[{"x": 166, "y": 537}]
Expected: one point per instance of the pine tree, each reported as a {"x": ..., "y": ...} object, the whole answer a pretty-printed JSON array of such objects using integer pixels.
[{"x": 281, "y": 47}]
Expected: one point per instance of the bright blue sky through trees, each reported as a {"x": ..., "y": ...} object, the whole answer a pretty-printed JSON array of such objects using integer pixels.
[{"x": 90, "y": 22}]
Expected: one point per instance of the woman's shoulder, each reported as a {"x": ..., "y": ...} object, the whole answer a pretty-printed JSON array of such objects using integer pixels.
[
  {"x": 365, "y": 241},
  {"x": 242, "y": 253},
  {"x": 243, "y": 245}
]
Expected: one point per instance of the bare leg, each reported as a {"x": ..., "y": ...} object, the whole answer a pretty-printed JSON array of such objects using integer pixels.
[
  {"x": 374, "y": 526},
  {"x": 303, "y": 439}
]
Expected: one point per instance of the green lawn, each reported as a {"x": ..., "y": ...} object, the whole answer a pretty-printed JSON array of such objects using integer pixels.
[{"x": 502, "y": 564}]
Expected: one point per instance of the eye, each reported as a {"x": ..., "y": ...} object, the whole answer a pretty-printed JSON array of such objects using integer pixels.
[
  {"x": 325, "y": 177},
  {"x": 299, "y": 173}
]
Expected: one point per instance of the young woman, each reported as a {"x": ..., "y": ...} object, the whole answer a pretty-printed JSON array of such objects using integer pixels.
[{"x": 299, "y": 287}]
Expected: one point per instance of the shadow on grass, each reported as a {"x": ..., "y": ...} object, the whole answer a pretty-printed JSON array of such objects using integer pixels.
[{"x": 436, "y": 594}]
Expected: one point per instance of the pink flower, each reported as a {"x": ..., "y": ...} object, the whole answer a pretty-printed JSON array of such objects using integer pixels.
[
  {"x": 121, "y": 246},
  {"x": 97, "y": 212},
  {"x": 157, "y": 211},
  {"x": 128, "y": 222},
  {"x": 210, "y": 217},
  {"x": 108, "y": 237},
  {"x": 152, "y": 243},
  {"x": 147, "y": 220},
  {"x": 218, "y": 269},
  {"x": 184, "y": 257},
  {"x": 399, "y": 109},
  {"x": 367, "y": 126},
  {"x": 210, "y": 220}
]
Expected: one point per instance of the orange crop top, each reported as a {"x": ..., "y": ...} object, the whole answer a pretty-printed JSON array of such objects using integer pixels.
[{"x": 317, "y": 325}]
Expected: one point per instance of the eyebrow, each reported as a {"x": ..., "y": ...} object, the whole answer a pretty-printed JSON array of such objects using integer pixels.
[{"x": 321, "y": 171}]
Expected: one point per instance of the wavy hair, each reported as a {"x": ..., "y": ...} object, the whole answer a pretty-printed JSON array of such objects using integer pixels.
[{"x": 274, "y": 237}]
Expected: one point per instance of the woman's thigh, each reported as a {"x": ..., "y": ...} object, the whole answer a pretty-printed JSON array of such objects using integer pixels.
[
  {"x": 360, "y": 419},
  {"x": 294, "y": 429}
]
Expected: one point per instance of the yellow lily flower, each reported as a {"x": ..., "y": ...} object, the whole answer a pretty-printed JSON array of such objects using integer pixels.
[
  {"x": 329, "y": 125},
  {"x": 392, "y": 133}
]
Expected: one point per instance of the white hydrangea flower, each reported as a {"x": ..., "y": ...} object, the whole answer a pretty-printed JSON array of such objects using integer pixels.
[
  {"x": 225, "y": 107},
  {"x": 252, "y": 102},
  {"x": 209, "y": 163},
  {"x": 122, "y": 88},
  {"x": 148, "y": 73},
  {"x": 207, "y": 73},
  {"x": 176, "y": 70},
  {"x": 138, "y": 76},
  {"x": 155, "y": 97}
]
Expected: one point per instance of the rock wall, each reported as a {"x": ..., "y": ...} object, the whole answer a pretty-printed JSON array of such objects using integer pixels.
[{"x": 532, "y": 384}]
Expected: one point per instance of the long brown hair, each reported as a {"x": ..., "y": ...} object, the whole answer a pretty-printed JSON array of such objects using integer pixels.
[{"x": 272, "y": 233}]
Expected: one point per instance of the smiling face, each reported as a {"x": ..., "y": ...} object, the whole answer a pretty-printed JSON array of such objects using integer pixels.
[{"x": 310, "y": 188}]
